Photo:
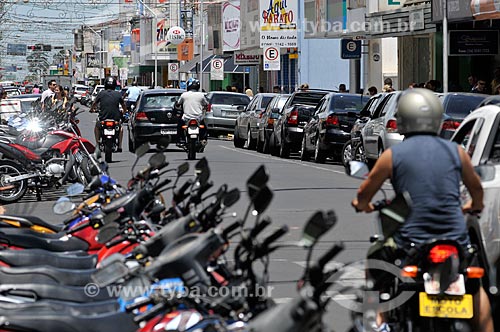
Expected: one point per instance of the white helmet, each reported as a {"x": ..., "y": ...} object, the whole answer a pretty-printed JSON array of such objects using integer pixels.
[{"x": 419, "y": 111}]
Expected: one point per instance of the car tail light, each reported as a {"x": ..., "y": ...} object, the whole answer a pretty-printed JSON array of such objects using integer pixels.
[
  {"x": 141, "y": 116},
  {"x": 209, "y": 108},
  {"x": 450, "y": 125},
  {"x": 441, "y": 252},
  {"x": 391, "y": 126},
  {"x": 332, "y": 120},
  {"x": 293, "y": 117},
  {"x": 193, "y": 122},
  {"x": 261, "y": 114}
]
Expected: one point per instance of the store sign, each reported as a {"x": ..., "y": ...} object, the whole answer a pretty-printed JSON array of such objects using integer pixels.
[
  {"x": 272, "y": 58},
  {"x": 246, "y": 58},
  {"x": 473, "y": 42},
  {"x": 92, "y": 61},
  {"x": 231, "y": 26},
  {"x": 176, "y": 35},
  {"x": 278, "y": 23},
  {"x": 217, "y": 69},
  {"x": 173, "y": 71}
]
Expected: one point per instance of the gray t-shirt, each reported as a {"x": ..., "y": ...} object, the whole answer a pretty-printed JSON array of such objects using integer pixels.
[{"x": 193, "y": 105}]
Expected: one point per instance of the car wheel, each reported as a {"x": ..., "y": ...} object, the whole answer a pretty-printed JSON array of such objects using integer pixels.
[
  {"x": 238, "y": 142},
  {"x": 131, "y": 145},
  {"x": 260, "y": 144},
  {"x": 359, "y": 153},
  {"x": 319, "y": 155},
  {"x": 250, "y": 143},
  {"x": 347, "y": 153},
  {"x": 304, "y": 154},
  {"x": 273, "y": 149},
  {"x": 284, "y": 149}
]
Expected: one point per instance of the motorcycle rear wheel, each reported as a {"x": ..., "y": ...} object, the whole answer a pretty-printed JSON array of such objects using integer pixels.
[
  {"x": 192, "y": 150},
  {"x": 11, "y": 195},
  {"x": 108, "y": 150}
]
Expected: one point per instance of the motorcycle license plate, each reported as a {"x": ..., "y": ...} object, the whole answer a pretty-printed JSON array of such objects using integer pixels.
[
  {"x": 109, "y": 132},
  {"x": 193, "y": 131},
  {"x": 446, "y": 306},
  {"x": 432, "y": 286},
  {"x": 168, "y": 132}
]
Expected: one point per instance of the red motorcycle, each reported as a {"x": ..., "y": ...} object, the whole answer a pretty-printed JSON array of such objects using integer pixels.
[{"x": 43, "y": 161}]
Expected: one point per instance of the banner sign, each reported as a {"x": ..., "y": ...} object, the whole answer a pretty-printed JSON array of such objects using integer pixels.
[
  {"x": 173, "y": 71},
  {"x": 217, "y": 69},
  {"x": 231, "y": 26},
  {"x": 272, "y": 58},
  {"x": 278, "y": 23},
  {"x": 246, "y": 58}
]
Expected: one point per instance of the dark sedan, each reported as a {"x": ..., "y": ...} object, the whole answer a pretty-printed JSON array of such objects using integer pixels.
[
  {"x": 457, "y": 105},
  {"x": 330, "y": 126},
  {"x": 154, "y": 117}
]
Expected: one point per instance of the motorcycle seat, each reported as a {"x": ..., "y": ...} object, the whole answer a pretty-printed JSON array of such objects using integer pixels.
[
  {"x": 36, "y": 257},
  {"x": 37, "y": 292},
  {"x": 45, "y": 275},
  {"x": 26, "y": 238},
  {"x": 109, "y": 322},
  {"x": 29, "y": 221},
  {"x": 59, "y": 307}
]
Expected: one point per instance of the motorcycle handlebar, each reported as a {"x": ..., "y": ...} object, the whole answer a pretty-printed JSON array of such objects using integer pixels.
[
  {"x": 149, "y": 314},
  {"x": 179, "y": 193},
  {"x": 260, "y": 227},
  {"x": 274, "y": 236},
  {"x": 334, "y": 251},
  {"x": 138, "y": 304}
]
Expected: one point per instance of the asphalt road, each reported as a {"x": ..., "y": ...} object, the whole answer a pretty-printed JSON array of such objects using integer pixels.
[{"x": 300, "y": 189}]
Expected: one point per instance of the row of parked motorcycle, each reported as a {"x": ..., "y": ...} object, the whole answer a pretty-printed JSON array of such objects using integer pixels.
[{"x": 124, "y": 260}]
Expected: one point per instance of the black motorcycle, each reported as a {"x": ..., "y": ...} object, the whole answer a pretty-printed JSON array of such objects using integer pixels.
[
  {"x": 110, "y": 132},
  {"x": 193, "y": 143}
]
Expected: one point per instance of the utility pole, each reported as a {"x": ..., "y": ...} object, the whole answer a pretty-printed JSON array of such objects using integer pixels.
[
  {"x": 154, "y": 40},
  {"x": 101, "y": 70},
  {"x": 445, "y": 47},
  {"x": 202, "y": 39}
]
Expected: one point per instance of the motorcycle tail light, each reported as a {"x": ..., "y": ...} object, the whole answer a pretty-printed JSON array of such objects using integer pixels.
[
  {"x": 109, "y": 123},
  {"x": 409, "y": 271},
  {"x": 475, "y": 272},
  {"x": 441, "y": 252},
  {"x": 193, "y": 123}
]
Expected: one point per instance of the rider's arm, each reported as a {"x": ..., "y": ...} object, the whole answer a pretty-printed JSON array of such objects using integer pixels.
[
  {"x": 380, "y": 172},
  {"x": 472, "y": 182},
  {"x": 124, "y": 106}
]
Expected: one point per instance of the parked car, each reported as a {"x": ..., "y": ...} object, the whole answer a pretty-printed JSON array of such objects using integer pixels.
[
  {"x": 223, "y": 110},
  {"x": 16, "y": 104},
  {"x": 247, "y": 124},
  {"x": 381, "y": 132},
  {"x": 12, "y": 91},
  {"x": 289, "y": 129},
  {"x": 479, "y": 135},
  {"x": 266, "y": 126},
  {"x": 457, "y": 105},
  {"x": 79, "y": 90},
  {"x": 154, "y": 117},
  {"x": 330, "y": 126},
  {"x": 491, "y": 100}
]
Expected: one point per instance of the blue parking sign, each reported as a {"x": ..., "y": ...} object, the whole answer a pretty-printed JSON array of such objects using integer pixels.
[{"x": 351, "y": 49}]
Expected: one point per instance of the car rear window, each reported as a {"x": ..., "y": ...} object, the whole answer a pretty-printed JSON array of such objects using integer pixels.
[
  {"x": 156, "y": 101},
  {"x": 227, "y": 99},
  {"x": 459, "y": 106},
  {"x": 348, "y": 103},
  {"x": 309, "y": 98},
  {"x": 265, "y": 101}
]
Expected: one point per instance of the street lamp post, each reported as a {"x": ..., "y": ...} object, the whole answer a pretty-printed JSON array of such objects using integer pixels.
[
  {"x": 153, "y": 37},
  {"x": 202, "y": 37}
]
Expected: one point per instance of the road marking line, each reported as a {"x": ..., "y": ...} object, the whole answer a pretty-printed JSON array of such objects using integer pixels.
[{"x": 283, "y": 160}]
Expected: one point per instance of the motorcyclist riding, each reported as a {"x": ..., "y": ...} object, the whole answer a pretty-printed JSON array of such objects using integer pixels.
[
  {"x": 109, "y": 100},
  {"x": 194, "y": 105},
  {"x": 430, "y": 169}
]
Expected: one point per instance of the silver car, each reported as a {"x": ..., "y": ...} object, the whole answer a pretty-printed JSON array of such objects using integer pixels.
[
  {"x": 381, "y": 132},
  {"x": 223, "y": 110}
]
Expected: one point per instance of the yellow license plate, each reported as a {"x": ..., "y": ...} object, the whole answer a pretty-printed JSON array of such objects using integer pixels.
[{"x": 446, "y": 306}]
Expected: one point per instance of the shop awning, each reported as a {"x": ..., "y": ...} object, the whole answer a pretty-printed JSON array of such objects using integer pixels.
[
  {"x": 229, "y": 65},
  {"x": 485, "y": 9}
]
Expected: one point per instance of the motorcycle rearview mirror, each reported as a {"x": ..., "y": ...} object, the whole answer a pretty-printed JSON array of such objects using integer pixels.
[
  {"x": 231, "y": 197},
  {"x": 262, "y": 200},
  {"x": 75, "y": 189},
  {"x": 202, "y": 171},
  {"x": 316, "y": 226},
  {"x": 142, "y": 150},
  {"x": 200, "y": 165},
  {"x": 182, "y": 169},
  {"x": 357, "y": 170},
  {"x": 63, "y": 206},
  {"x": 257, "y": 181},
  {"x": 107, "y": 232},
  {"x": 157, "y": 160},
  {"x": 485, "y": 172}
]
